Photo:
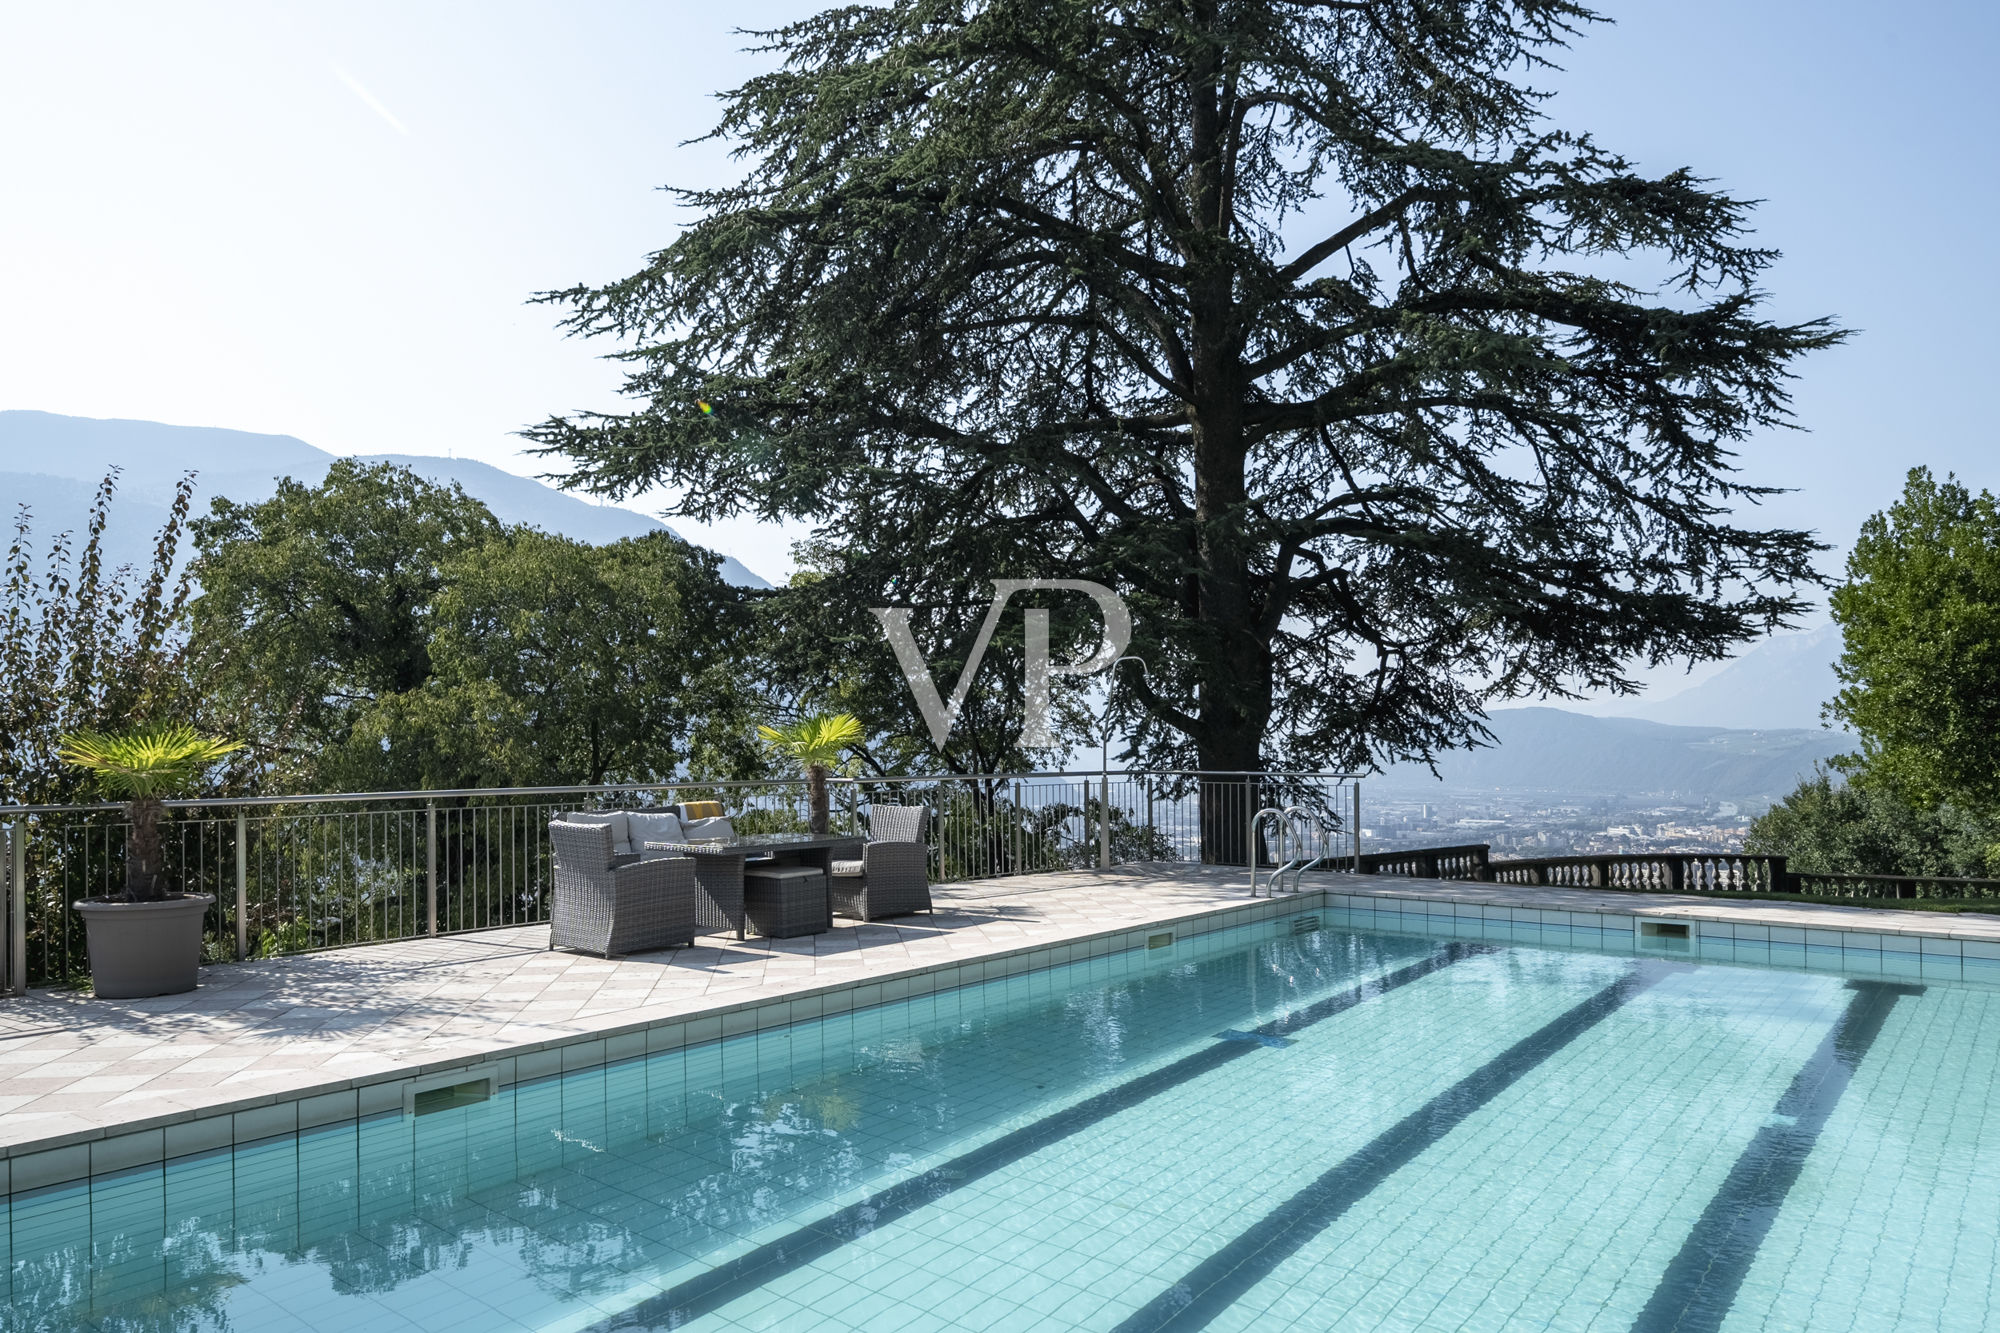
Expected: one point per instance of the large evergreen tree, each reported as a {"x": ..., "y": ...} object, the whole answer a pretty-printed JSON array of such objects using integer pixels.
[{"x": 1376, "y": 395}]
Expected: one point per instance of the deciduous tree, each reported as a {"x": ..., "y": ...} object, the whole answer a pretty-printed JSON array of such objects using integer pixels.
[
  {"x": 555, "y": 661},
  {"x": 316, "y": 603},
  {"x": 1919, "y": 619}
]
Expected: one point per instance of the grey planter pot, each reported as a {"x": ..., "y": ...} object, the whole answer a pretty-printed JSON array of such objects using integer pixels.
[{"x": 140, "y": 949}]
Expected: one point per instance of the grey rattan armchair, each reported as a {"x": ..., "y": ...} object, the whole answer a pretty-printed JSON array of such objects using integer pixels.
[
  {"x": 890, "y": 878},
  {"x": 606, "y": 908}
]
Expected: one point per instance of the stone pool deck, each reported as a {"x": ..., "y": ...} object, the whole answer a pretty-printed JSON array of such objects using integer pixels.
[
  {"x": 264, "y": 1047},
  {"x": 74, "y": 1068}
]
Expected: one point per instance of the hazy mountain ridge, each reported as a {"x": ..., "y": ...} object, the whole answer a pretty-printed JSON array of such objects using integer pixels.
[
  {"x": 1781, "y": 681},
  {"x": 1550, "y": 749},
  {"x": 53, "y": 463}
]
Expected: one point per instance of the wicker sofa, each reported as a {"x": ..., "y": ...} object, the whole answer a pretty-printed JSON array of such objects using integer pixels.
[
  {"x": 608, "y": 904},
  {"x": 890, "y": 879}
]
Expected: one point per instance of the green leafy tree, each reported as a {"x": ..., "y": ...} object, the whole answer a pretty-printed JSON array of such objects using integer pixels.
[
  {"x": 555, "y": 661},
  {"x": 1830, "y": 827},
  {"x": 316, "y": 603},
  {"x": 1375, "y": 394},
  {"x": 1919, "y": 618}
]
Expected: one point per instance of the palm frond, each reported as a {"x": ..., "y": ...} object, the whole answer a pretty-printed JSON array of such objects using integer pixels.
[
  {"x": 814, "y": 740},
  {"x": 150, "y": 761}
]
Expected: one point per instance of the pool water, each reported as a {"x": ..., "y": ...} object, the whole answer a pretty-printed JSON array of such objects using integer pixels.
[{"x": 1251, "y": 1129}]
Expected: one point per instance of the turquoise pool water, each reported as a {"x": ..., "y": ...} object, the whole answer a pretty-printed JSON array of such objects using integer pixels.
[{"x": 1248, "y": 1130}]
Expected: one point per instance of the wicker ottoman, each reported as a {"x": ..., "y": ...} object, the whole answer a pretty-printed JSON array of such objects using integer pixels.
[{"x": 786, "y": 900}]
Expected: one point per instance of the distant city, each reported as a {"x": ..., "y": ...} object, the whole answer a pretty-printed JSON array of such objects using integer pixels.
[{"x": 1516, "y": 824}]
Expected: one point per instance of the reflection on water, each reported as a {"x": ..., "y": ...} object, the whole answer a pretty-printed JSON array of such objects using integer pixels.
[{"x": 525, "y": 1208}]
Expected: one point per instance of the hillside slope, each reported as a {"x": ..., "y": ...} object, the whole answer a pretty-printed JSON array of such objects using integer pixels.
[
  {"x": 54, "y": 462},
  {"x": 1779, "y": 683},
  {"x": 1551, "y": 750}
]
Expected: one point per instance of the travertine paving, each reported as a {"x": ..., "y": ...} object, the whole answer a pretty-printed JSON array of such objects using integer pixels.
[{"x": 73, "y": 1067}]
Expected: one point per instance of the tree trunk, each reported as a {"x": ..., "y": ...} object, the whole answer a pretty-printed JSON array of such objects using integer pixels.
[
  {"x": 816, "y": 797},
  {"x": 1235, "y": 683},
  {"x": 142, "y": 851}
]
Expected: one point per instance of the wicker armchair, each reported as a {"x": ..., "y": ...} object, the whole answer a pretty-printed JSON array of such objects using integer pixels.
[
  {"x": 606, "y": 908},
  {"x": 890, "y": 878}
]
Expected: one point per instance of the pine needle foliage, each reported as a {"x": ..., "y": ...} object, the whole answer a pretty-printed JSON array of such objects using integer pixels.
[{"x": 1378, "y": 396}]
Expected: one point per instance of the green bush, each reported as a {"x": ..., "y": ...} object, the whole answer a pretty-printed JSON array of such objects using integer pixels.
[{"x": 1865, "y": 827}]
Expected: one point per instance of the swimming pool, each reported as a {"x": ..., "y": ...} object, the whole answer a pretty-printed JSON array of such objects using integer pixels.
[{"x": 1250, "y": 1129}]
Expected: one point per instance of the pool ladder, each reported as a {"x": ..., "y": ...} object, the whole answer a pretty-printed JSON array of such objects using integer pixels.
[{"x": 1295, "y": 831}]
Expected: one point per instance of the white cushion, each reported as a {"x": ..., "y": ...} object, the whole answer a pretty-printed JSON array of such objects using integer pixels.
[
  {"x": 654, "y": 826},
  {"x": 850, "y": 867},
  {"x": 704, "y": 830},
  {"x": 621, "y": 832}
]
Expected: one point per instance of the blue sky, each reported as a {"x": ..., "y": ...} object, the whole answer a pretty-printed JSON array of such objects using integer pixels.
[{"x": 324, "y": 220}]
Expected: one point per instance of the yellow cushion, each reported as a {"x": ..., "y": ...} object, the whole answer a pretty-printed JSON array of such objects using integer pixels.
[{"x": 701, "y": 809}]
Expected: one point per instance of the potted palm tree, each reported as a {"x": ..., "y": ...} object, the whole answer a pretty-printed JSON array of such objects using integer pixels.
[
  {"x": 148, "y": 941},
  {"x": 815, "y": 743}
]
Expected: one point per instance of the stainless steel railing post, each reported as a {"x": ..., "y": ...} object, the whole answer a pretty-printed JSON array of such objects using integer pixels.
[
  {"x": 17, "y": 908},
  {"x": 1354, "y": 825},
  {"x": 431, "y": 868},
  {"x": 1104, "y": 820},
  {"x": 1250, "y": 831},
  {"x": 242, "y": 886}
]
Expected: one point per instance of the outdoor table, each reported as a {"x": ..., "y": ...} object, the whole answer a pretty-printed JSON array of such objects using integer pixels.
[{"x": 718, "y": 867}]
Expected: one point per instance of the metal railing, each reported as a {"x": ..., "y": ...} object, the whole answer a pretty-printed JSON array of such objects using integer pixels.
[{"x": 292, "y": 874}]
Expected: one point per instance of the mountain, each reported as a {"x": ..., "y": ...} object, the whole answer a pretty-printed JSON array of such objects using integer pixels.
[
  {"x": 1779, "y": 683},
  {"x": 1551, "y": 750},
  {"x": 54, "y": 463}
]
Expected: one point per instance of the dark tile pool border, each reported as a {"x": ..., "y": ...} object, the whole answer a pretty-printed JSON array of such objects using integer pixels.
[{"x": 1712, "y": 937}]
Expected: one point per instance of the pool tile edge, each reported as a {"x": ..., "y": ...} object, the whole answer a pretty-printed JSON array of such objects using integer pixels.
[{"x": 64, "y": 1158}]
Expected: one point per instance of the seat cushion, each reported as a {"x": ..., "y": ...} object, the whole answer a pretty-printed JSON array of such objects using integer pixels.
[
  {"x": 621, "y": 832},
  {"x": 702, "y": 830},
  {"x": 781, "y": 872},
  {"x": 654, "y": 826},
  {"x": 850, "y": 867}
]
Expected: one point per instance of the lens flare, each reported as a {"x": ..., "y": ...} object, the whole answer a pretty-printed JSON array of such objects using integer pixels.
[{"x": 706, "y": 409}]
